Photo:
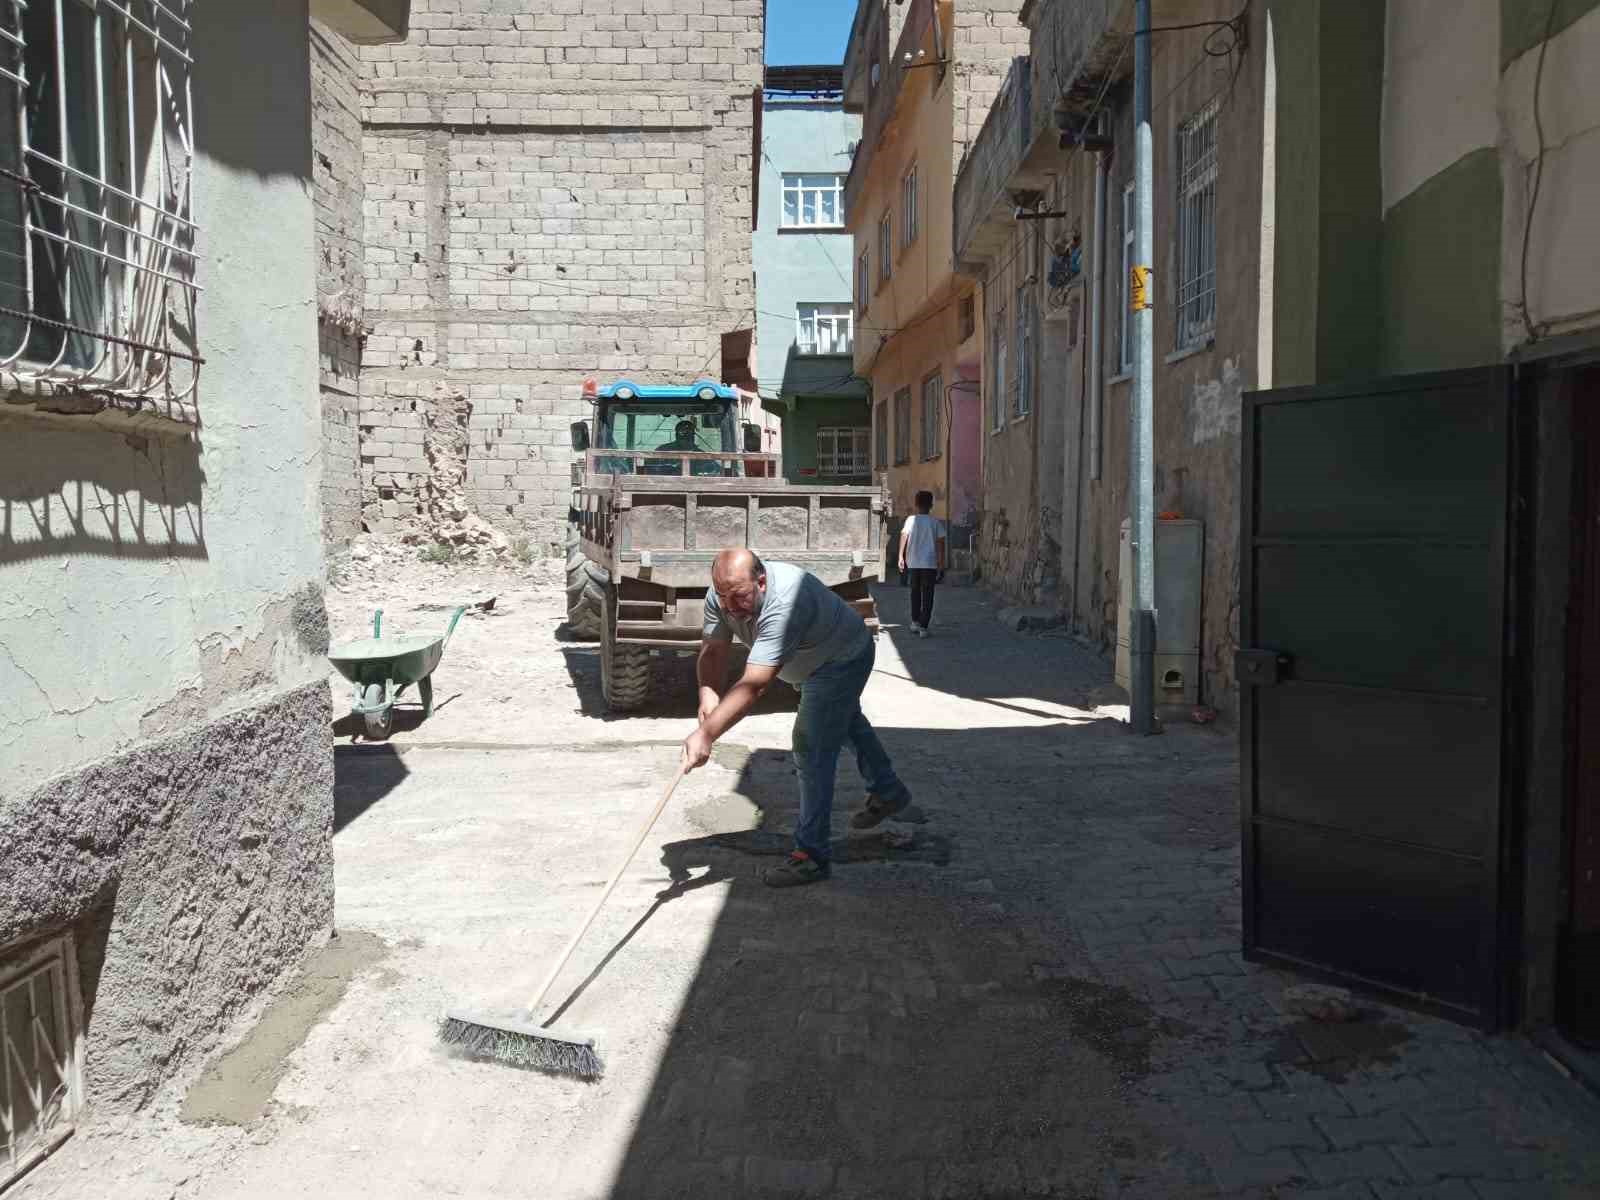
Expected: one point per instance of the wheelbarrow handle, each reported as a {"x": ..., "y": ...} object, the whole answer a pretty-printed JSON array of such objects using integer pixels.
[{"x": 451, "y": 628}]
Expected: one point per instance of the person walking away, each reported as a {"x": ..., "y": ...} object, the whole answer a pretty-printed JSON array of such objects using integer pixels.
[
  {"x": 922, "y": 546},
  {"x": 800, "y": 631}
]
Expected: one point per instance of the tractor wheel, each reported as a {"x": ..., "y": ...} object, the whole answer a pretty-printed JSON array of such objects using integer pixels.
[
  {"x": 625, "y": 671},
  {"x": 586, "y": 591}
]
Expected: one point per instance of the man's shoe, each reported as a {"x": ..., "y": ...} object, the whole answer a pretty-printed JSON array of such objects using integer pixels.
[
  {"x": 799, "y": 868},
  {"x": 879, "y": 809}
]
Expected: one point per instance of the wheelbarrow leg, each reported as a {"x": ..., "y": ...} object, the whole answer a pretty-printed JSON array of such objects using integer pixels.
[{"x": 425, "y": 693}]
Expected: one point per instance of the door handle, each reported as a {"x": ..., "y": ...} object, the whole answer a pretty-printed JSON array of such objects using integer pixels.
[{"x": 1259, "y": 668}]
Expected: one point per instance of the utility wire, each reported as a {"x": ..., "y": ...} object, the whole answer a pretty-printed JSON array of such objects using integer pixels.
[{"x": 1534, "y": 329}]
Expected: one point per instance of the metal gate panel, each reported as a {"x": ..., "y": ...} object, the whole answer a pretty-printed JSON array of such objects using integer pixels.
[{"x": 1373, "y": 610}]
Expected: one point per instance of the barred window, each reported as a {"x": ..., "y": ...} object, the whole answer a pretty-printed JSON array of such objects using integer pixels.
[
  {"x": 1022, "y": 389},
  {"x": 880, "y": 436},
  {"x": 842, "y": 452},
  {"x": 997, "y": 372},
  {"x": 1197, "y": 227},
  {"x": 908, "y": 208},
  {"x": 932, "y": 412},
  {"x": 885, "y": 248},
  {"x": 863, "y": 282},
  {"x": 97, "y": 259}
]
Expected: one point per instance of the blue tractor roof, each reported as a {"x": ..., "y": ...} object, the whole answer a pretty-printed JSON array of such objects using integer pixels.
[{"x": 700, "y": 389}]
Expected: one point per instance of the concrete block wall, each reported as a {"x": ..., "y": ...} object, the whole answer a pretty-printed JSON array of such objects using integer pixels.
[
  {"x": 547, "y": 196},
  {"x": 338, "y": 188},
  {"x": 986, "y": 37}
]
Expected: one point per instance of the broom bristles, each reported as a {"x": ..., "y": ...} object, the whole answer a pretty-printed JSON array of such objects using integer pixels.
[{"x": 518, "y": 1044}]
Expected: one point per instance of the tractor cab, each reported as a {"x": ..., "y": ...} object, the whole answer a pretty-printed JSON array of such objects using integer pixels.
[{"x": 701, "y": 418}]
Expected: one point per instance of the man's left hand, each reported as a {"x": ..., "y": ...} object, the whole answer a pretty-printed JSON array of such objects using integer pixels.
[{"x": 696, "y": 750}]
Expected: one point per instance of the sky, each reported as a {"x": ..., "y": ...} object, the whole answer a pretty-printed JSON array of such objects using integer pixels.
[{"x": 807, "y": 31}]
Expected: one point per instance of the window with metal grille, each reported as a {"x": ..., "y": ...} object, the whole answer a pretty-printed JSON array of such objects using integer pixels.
[
  {"x": 1124, "y": 297},
  {"x": 880, "y": 436},
  {"x": 41, "y": 1071},
  {"x": 813, "y": 202},
  {"x": 863, "y": 282},
  {"x": 1197, "y": 228},
  {"x": 1022, "y": 389},
  {"x": 997, "y": 372},
  {"x": 842, "y": 452},
  {"x": 885, "y": 247},
  {"x": 823, "y": 328},
  {"x": 902, "y": 426},
  {"x": 97, "y": 259},
  {"x": 932, "y": 412},
  {"x": 908, "y": 208}
]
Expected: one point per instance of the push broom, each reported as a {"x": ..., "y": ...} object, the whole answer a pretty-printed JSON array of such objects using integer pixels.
[{"x": 525, "y": 1043}]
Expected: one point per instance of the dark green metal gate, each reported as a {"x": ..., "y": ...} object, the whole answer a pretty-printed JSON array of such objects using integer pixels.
[{"x": 1374, "y": 614}]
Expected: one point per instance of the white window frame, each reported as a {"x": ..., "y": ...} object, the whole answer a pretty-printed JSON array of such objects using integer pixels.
[
  {"x": 843, "y": 451},
  {"x": 814, "y": 318},
  {"x": 908, "y": 208},
  {"x": 1124, "y": 299},
  {"x": 1196, "y": 304},
  {"x": 997, "y": 372},
  {"x": 863, "y": 280},
  {"x": 796, "y": 185},
  {"x": 100, "y": 290},
  {"x": 885, "y": 247},
  {"x": 932, "y": 416}
]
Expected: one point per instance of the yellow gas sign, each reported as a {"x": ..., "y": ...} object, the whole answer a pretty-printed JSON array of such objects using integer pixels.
[{"x": 1139, "y": 288}]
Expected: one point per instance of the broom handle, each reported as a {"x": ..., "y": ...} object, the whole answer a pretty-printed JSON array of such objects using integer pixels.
[{"x": 644, "y": 831}]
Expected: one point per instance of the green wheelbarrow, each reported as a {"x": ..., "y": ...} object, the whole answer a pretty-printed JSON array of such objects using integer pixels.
[{"x": 381, "y": 668}]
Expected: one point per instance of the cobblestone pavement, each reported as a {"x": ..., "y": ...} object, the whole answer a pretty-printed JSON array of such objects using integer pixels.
[{"x": 1043, "y": 994}]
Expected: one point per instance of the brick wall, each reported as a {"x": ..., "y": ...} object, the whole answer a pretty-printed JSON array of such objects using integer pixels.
[
  {"x": 338, "y": 190},
  {"x": 548, "y": 196}
]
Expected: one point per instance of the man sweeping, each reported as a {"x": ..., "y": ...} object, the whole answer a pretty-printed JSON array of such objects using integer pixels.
[{"x": 803, "y": 633}]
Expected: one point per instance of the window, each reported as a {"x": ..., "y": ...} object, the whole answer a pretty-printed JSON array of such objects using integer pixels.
[
  {"x": 1197, "y": 228},
  {"x": 842, "y": 452},
  {"x": 932, "y": 411},
  {"x": 885, "y": 247},
  {"x": 880, "y": 436},
  {"x": 41, "y": 1059},
  {"x": 823, "y": 328},
  {"x": 997, "y": 371},
  {"x": 97, "y": 260},
  {"x": 813, "y": 202},
  {"x": 1022, "y": 389},
  {"x": 967, "y": 318},
  {"x": 1125, "y": 318},
  {"x": 902, "y": 426},
  {"x": 863, "y": 281},
  {"x": 908, "y": 208}
]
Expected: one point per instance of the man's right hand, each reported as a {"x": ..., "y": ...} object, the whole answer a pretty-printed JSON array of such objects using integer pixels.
[{"x": 708, "y": 703}]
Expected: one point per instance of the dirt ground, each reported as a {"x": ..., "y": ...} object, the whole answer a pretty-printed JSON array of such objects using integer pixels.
[{"x": 1034, "y": 991}]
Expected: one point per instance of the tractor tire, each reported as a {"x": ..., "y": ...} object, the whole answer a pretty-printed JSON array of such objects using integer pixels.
[
  {"x": 626, "y": 672},
  {"x": 586, "y": 592}
]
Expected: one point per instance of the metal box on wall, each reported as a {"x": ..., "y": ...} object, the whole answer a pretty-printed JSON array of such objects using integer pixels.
[{"x": 1180, "y": 554}]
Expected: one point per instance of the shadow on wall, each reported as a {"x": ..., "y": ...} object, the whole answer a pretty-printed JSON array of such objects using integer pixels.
[
  {"x": 93, "y": 491},
  {"x": 269, "y": 135}
]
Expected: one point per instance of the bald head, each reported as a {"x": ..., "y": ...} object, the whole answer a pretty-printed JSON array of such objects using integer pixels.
[
  {"x": 740, "y": 581},
  {"x": 736, "y": 565}
]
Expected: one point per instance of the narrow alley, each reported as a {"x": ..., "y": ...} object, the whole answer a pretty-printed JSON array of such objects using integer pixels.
[{"x": 1035, "y": 991}]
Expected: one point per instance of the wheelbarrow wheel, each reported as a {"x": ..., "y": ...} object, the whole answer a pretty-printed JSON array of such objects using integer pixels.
[
  {"x": 378, "y": 719},
  {"x": 425, "y": 694}
]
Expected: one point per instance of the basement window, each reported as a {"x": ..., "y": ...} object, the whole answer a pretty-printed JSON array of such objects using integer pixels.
[
  {"x": 97, "y": 240},
  {"x": 41, "y": 1059}
]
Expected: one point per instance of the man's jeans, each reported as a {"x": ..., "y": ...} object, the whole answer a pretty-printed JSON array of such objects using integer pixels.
[{"x": 830, "y": 716}]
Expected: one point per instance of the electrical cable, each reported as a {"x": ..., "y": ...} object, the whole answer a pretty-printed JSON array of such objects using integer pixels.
[{"x": 1534, "y": 329}]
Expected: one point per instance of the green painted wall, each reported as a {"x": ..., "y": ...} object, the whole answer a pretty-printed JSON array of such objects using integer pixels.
[
  {"x": 1329, "y": 189},
  {"x": 1523, "y": 22},
  {"x": 1441, "y": 270},
  {"x": 801, "y": 420}
]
